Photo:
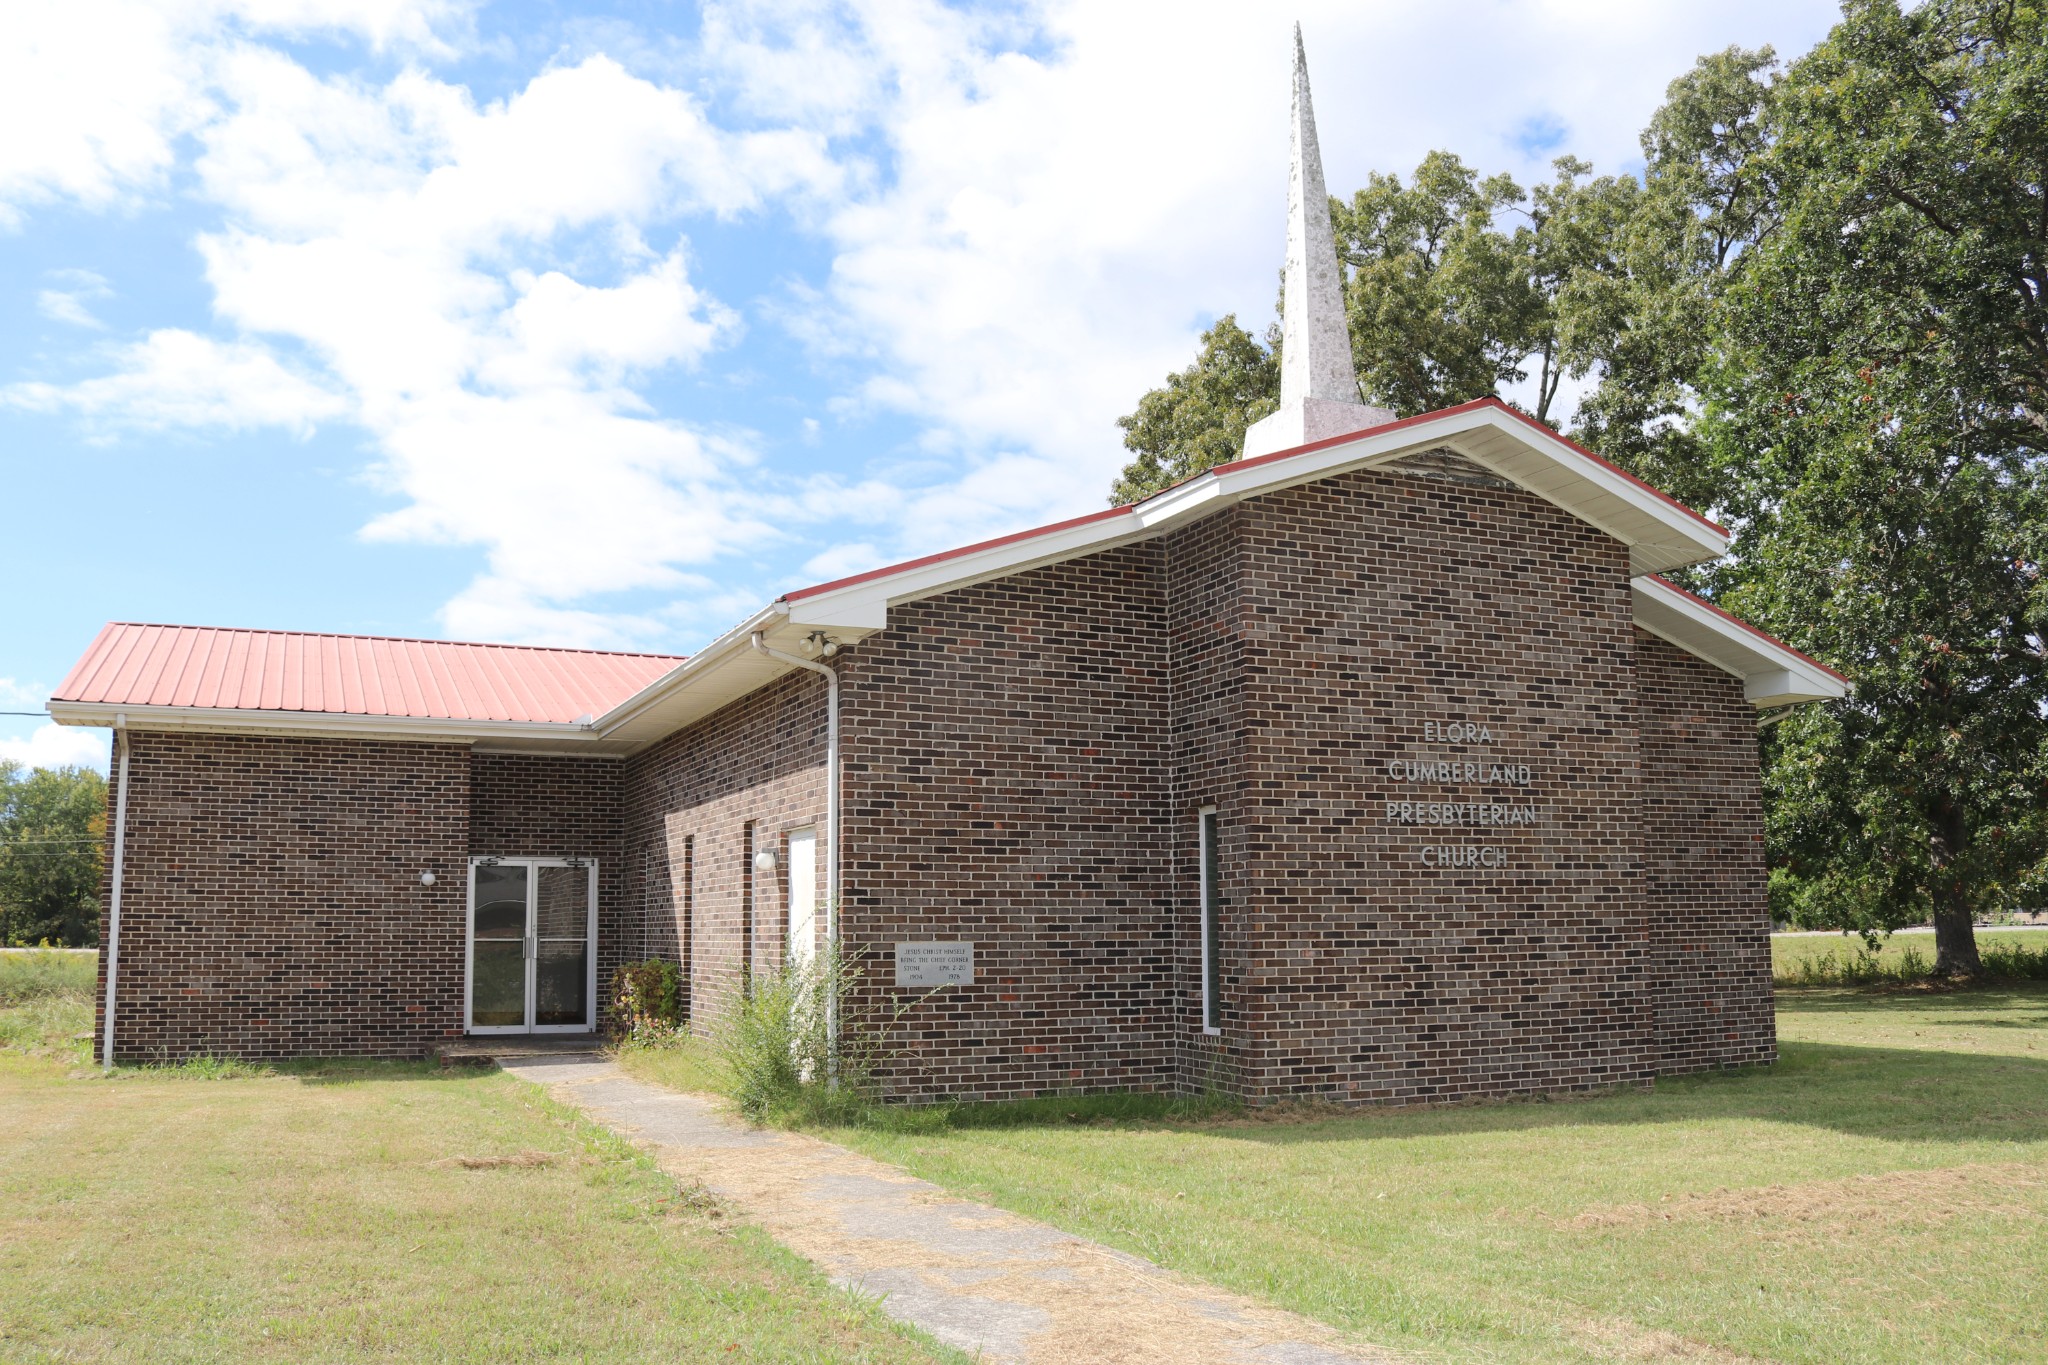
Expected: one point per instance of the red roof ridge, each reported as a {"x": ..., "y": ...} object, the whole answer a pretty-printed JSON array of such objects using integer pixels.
[
  {"x": 400, "y": 639},
  {"x": 1760, "y": 633},
  {"x": 798, "y": 594}
]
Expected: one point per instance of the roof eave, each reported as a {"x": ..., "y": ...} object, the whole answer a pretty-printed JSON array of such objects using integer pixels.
[
  {"x": 568, "y": 736},
  {"x": 1773, "y": 673}
]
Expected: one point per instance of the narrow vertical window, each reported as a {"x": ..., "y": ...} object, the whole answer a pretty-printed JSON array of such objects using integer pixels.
[
  {"x": 1212, "y": 937},
  {"x": 686, "y": 927}
]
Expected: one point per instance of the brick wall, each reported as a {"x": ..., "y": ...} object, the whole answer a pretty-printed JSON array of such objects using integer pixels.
[
  {"x": 1025, "y": 760},
  {"x": 1203, "y": 568},
  {"x": 1007, "y": 773},
  {"x": 271, "y": 903},
  {"x": 1370, "y": 606},
  {"x": 1023, "y": 768},
  {"x": 696, "y": 807},
  {"x": 1703, "y": 855}
]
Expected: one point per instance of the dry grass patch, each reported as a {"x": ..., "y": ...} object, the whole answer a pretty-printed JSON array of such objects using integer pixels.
[{"x": 346, "y": 1213}]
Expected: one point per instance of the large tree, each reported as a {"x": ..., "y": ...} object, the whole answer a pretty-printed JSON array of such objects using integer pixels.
[
  {"x": 1878, "y": 404},
  {"x": 52, "y": 822},
  {"x": 1823, "y": 315},
  {"x": 1197, "y": 420},
  {"x": 1458, "y": 287}
]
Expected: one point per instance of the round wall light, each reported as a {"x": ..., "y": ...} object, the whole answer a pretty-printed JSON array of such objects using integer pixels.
[
  {"x": 764, "y": 861},
  {"x": 427, "y": 877}
]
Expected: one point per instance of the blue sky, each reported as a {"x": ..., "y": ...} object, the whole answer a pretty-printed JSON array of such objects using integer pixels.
[{"x": 602, "y": 324}]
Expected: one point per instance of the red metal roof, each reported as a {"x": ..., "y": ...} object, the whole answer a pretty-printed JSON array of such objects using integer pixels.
[{"x": 132, "y": 664}]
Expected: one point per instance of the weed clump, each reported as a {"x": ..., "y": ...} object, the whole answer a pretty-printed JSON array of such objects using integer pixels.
[{"x": 787, "y": 1060}]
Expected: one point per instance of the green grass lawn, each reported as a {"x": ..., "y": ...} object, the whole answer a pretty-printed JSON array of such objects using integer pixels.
[
  {"x": 1879, "y": 1195},
  {"x": 1792, "y": 952},
  {"x": 359, "y": 1212}
]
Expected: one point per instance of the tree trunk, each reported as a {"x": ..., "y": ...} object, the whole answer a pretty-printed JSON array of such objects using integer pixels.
[{"x": 1955, "y": 936}]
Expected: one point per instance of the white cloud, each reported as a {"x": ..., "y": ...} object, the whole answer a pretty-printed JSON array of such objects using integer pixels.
[
  {"x": 58, "y": 746},
  {"x": 94, "y": 94},
  {"x": 175, "y": 378},
  {"x": 1063, "y": 218},
  {"x": 1029, "y": 215},
  {"x": 69, "y": 305},
  {"x": 18, "y": 696}
]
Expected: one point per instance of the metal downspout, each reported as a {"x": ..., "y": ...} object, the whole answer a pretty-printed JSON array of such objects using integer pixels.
[
  {"x": 831, "y": 677},
  {"x": 114, "y": 894}
]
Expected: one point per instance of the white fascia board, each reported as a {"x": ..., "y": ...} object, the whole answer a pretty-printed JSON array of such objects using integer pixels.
[
  {"x": 867, "y": 603},
  {"x": 319, "y": 724},
  {"x": 689, "y": 670},
  {"x": 1712, "y": 543},
  {"x": 1772, "y": 674}
]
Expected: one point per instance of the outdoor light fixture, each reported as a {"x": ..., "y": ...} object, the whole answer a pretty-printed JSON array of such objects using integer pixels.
[
  {"x": 818, "y": 642},
  {"x": 427, "y": 877},
  {"x": 764, "y": 860}
]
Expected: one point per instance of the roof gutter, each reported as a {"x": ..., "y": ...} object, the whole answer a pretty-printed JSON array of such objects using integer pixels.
[
  {"x": 703, "y": 661},
  {"x": 346, "y": 724}
]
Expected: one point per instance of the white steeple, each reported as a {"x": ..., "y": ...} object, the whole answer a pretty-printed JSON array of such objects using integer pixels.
[{"x": 1318, "y": 383}]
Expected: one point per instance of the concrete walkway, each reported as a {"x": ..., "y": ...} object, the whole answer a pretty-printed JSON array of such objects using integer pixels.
[{"x": 993, "y": 1284}]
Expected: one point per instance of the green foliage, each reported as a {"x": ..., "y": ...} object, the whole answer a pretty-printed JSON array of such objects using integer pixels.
[
  {"x": 647, "y": 1000},
  {"x": 1644, "y": 320},
  {"x": 779, "y": 1055},
  {"x": 1198, "y": 420},
  {"x": 52, "y": 825},
  {"x": 1458, "y": 287},
  {"x": 2004, "y": 960},
  {"x": 778, "y": 1058},
  {"x": 46, "y": 1002},
  {"x": 1876, "y": 413},
  {"x": 33, "y": 973}
]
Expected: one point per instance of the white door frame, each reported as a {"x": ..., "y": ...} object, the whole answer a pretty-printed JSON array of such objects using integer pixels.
[
  {"x": 800, "y": 932},
  {"x": 531, "y": 947}
]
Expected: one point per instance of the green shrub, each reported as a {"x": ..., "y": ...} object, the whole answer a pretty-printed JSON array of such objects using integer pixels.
[
  {"x": 647, "y": 1001},
  {"x": 780, "y": 1061},
  {"x": 2016, "y": 961},
  {"x": 2003, "y": 959}
]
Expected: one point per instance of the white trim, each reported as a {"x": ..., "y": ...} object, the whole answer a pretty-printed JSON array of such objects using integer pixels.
[
  {"x": 1773, "y": 674},
  {"x": 1684, "y": 537},
  {"x": 734, "y": 641},
  {"x": 337, "y": 725},
  {"x": 1203, "y": 916},
  {"x": 530, "y": 943}
]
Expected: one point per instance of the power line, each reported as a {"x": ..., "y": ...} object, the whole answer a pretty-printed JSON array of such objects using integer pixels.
[{"x": 24, "y": 713}]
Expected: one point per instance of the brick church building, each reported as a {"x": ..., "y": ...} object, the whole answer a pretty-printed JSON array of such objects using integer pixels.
[{"x": 1380, "y": 765}]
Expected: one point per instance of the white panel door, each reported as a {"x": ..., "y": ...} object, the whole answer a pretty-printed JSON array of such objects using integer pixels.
[{"x": 803, "y": 896}]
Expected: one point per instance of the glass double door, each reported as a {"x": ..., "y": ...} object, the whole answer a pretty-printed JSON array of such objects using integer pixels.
[{"x": 532, "y": 945}]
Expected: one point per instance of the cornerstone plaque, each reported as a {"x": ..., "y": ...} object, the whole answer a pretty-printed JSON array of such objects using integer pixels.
[{"x": 934, "y": 964}]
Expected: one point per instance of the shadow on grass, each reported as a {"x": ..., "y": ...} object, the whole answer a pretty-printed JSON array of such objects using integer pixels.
[
  {"x": 305, "y": 1070},
  {"x": 1897, "y": 1093}
]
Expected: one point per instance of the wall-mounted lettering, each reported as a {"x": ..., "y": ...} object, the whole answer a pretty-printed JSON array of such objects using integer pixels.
[
  {"x": 1491, "y": 813},
  {"x": 1456, "y": 770}
]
